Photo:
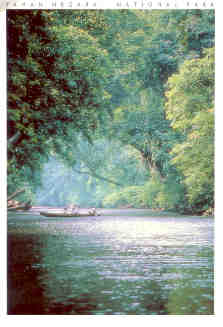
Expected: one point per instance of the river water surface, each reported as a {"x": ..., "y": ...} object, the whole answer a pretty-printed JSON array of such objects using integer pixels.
[{"x": 125, "y": 262}]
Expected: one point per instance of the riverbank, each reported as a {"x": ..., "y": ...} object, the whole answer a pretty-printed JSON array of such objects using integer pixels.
[{"x": 115, "y": 212}]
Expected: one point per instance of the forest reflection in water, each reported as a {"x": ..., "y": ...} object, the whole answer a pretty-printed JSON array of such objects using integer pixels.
[{"x": 110, "y": 265}]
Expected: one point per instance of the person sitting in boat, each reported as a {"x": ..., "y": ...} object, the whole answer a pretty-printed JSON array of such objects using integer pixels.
[
  {"x": 71, "y": 208},
  {"x": 93, "y": 212}
]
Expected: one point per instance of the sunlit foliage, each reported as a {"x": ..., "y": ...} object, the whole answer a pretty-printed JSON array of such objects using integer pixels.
[{"x": 190, "y": 108}]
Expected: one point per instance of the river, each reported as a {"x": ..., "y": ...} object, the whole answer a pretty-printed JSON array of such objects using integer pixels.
[{"x": 124, "y": 262}]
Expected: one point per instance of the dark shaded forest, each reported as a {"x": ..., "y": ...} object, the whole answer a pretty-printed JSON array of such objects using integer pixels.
[{"x": 112, "y": 108}]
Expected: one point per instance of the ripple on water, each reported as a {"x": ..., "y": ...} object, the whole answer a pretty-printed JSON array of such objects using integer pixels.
[{"x": 111, "y": 265}]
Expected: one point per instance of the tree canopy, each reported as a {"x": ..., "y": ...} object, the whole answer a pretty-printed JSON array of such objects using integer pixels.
[
  {"x": 122, "y": 100},
  {"x": 190, "y": 107},
  {"x": 56, "y": 76}
]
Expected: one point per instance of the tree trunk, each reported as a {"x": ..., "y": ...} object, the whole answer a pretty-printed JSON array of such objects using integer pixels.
[
  {"x": 14, "y": 138},
  {"x": 148, "y": 161},
  {"x": 21, "y": 206},
  {"x": 13, "y": 195}
]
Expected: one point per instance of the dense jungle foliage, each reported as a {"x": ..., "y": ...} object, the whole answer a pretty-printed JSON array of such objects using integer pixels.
[{"x": 112, "y": 108}]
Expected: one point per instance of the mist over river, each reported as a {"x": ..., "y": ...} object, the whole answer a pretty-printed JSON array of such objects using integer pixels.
[{"x": 124, "y": 262}]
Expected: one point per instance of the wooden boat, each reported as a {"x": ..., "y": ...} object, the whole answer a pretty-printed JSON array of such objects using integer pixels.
[{"x": 66, "y": 214}]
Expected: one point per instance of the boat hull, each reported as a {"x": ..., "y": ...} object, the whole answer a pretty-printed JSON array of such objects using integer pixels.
[{"x": 69, "y": 215}]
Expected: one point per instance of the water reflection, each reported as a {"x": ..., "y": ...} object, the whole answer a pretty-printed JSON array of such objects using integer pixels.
[
  {"x": 25, "y": 293},
  {"x": 110, "y": 266}
]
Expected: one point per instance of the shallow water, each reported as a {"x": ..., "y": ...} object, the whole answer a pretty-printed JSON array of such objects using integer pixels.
[{"x": 131, "y": 262}]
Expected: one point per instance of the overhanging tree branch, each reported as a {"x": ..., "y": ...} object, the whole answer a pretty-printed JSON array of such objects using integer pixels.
[{"x": 93, "y": 174}]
